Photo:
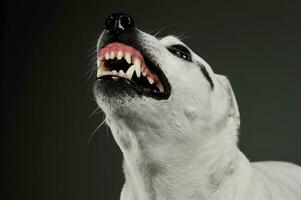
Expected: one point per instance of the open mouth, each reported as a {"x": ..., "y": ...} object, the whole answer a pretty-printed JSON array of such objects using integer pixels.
[{"x": 120, "y": 61}]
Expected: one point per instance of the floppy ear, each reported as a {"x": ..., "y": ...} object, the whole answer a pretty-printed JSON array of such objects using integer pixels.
[{"x": 234, "y": 112}]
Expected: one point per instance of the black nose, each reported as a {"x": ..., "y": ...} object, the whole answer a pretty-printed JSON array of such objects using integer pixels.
[{"x": 119, "y": 22}]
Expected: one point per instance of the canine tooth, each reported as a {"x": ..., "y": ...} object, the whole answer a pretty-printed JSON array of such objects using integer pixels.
[
  {"x": 112, "y": 55},
  {"x": 137, "y": 64},
  {"x": 101, "y": 66},
  {"x": 98, "y": 62},
  {"x": 128, "y": 58},
  {"x": 130, "y": 72},
  {"x": 160, "y": 86},
  {"x": 119, "y": 55},
  {"x": 107, "y": 56},
  {"x": 99, "y": 72},
  {"x": 114, "y": 72},
  {"x": 150, "y": 80}
]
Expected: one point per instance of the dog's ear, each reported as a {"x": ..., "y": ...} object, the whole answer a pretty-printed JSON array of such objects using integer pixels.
[{"x": 234, "y": 112}]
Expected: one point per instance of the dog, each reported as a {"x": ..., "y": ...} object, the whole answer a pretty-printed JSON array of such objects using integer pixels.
[{"x": 176, "y": 123}]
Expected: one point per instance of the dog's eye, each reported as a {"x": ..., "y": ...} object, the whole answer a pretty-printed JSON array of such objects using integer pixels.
[{"x": 180, "y": 51}]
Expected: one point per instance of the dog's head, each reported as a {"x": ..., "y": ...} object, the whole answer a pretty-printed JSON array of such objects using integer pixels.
[{"x": 158, "y": 80}]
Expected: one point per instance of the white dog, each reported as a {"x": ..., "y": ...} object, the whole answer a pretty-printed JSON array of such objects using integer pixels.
[{"x": 176, "y": 123}]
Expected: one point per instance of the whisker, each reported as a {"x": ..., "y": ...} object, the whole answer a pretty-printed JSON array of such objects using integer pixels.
[
  {"x": 91, "y": 64},
  {"x": 107, "y": 132},
  {"x": 163, "y": 28},
  {"x": 183, "y": 36},
  {"x": 94, "y": 112},
  {"x": 95, "y": 131}
]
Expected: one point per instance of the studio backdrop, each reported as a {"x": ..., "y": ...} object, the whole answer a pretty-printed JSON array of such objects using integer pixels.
[{"x": 47, "y": 104}]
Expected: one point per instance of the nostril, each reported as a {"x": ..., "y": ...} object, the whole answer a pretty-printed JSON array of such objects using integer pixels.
[
  {"x": 126, "y": 21},
  {"x": 109, "y": 23},
  {"x": 119, "y": 22}
]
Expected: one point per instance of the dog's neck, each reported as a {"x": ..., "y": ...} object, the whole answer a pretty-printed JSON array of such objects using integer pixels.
[{"x": 157, "y": 168}]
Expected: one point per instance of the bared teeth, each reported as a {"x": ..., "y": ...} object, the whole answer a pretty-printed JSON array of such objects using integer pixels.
[
  {"x": 132, "y": 57},
  {"x": 98, "y": 62},
  {"x": 114, "y": 72},
  {"x": 121, "y": 73},
  {"x": 112, "y": 55},
  {"x": 100, "y": 68},
  {"x": 160, "y": 86},
  {"x": 150, "y": 80},
  {"x": 137, "y": 65},
  {"x": 130, "y": 72},
  {"x": 99, "y": 72},
  {"x": 119, "y": 55},
  {"x": 107, "y": 56},
  {"x": 128, "y": 58}
]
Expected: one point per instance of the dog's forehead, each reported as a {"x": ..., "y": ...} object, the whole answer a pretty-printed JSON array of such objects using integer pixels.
[{"x": 171, "y": 40}]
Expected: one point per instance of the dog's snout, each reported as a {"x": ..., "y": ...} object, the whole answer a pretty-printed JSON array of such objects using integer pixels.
[{"x": 119, "y": 22}]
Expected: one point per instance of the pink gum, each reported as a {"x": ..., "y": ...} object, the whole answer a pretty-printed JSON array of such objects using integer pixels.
[{"x": 116, "y": 46}]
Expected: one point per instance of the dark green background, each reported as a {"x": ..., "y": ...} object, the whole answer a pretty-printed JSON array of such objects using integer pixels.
[{"x": 47, "y": 98}]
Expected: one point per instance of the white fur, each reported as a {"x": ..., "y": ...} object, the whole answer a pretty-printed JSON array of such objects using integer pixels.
[{"x": 185, "y": 147}]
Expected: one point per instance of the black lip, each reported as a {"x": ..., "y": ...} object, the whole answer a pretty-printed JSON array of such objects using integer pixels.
[
  {"x": 140, "y": 90},
  {"x": 131, "y": 38}
]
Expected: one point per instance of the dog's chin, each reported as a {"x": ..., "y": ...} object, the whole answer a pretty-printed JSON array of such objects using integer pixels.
[
  {"x": 111, "y": 88},
  {"x": 113, "y": 93}
]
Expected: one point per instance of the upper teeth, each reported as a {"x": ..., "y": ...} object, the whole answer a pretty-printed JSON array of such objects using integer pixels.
[
  {"x": 107, "y": 56},
  {"x": 99, "y": 72},
  {"x": 98, "y": 62},
  {"x": 136, "y": 66},
  {"x": 128, "y": 57},
  {"x": 112, "y": 55},
  {"x": 119, "y": 55}
]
